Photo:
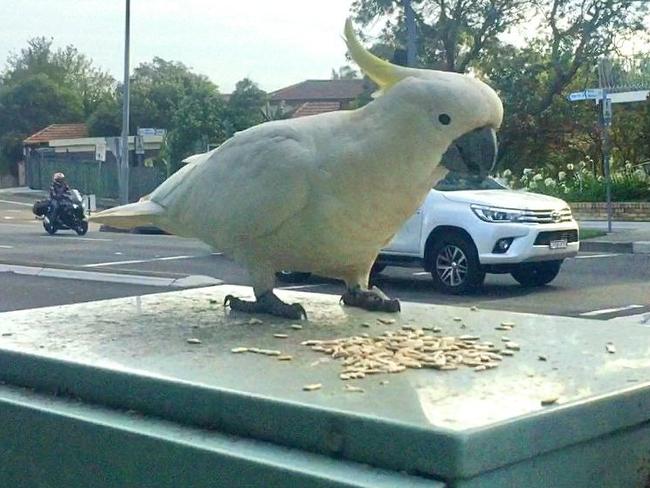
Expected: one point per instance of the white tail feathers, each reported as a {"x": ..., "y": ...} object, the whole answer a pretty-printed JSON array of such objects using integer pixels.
[{"x": 128, "y": 216}]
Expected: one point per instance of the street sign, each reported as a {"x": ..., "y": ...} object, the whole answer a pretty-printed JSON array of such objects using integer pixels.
[
  {"x": 151, "y": 132},
  {"x": 607, "y": 112},
  {"x": 139, "y": 145},
  {"x": 576, "y": 96},
  {"x": 593, "y": 93},
  {"x": 100, "y": 151}
]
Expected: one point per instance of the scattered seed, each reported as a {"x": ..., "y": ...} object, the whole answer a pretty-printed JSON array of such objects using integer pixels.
[
  {"x": 365, "y": 324},
  {"x": 386, "y": 321},
  {"x": 353, "y": 389},
  {"x": 7, "y": 334},
  {"x": 480, "y": 368},
  {"x": 193, "y": 340},
  {"x": 238, "y": 350},
  {"x": 507, "y": 352},
  {"x": 296, "y": 326},
  {"x": 312, "y": 387},
  {"x": 255, "y": 321},
  {"x": 285, "y": 357},
  {"x": 473, "y": 308},
  {"x": 502, "y": 327},
  {"x": 541, "y": 358},
  {"x": 549, "y": 400},
  {"x": 212, "y": 301},
  {"x": 467, "y": 337},
  {"x": 611, "y": 348},
  {"x": 507, "y": 324},
  {"x": 270, "y": 352},
  {"x": 280, "y": 336},
  {"x": 384, "y": 382},
  {"x": 512, "y": 346},
  {"x": 457, "y": 319},
  {"x": 437, "y": 329}
]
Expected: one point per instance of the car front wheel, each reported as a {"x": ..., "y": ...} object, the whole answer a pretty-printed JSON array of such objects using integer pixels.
[
  {"x": 537, "y": 274},
  {"x": 455, "y": 267}
]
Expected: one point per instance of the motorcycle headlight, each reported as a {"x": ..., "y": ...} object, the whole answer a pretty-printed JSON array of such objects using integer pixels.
[{"x": 496, "y": 214}]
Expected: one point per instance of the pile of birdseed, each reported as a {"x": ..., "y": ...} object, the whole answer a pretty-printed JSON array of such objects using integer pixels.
[{"x": 395, "y": 351}]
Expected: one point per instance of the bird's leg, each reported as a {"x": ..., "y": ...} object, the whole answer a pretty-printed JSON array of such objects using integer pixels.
[
  {"x": 373, "y": 299},
  {"x": 267, "y": 303}
]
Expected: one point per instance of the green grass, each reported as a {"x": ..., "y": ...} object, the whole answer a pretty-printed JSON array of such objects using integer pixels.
[{"x": 591, "y": 233}]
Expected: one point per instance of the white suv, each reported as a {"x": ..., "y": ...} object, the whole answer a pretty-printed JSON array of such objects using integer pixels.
[{"x": 466, "y": 228}]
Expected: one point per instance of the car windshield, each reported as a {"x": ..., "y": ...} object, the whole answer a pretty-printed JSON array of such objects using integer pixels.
[{"x": 456, "y": 182}]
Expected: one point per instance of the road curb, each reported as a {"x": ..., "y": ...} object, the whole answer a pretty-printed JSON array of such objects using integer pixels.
[
  {"x": 191, "y": 281},
  {"x": 604, "y": 246},
  {"x": 149, "y": 229}
]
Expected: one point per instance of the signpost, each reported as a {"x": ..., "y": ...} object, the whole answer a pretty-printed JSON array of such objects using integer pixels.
[{"x": 628, "y": 83}]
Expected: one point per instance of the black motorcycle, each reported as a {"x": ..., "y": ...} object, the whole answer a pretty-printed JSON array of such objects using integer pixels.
[{"x": 70, "y": 214}]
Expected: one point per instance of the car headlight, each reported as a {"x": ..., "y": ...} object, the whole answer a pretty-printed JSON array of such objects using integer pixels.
[{"x": 496, "y": 214}]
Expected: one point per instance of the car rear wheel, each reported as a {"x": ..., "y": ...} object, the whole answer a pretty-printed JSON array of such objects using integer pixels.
[
  {"x": 537, "y": 274},
  {"x": 455, "y": 267},
  {"x": 292, "y": 277}
]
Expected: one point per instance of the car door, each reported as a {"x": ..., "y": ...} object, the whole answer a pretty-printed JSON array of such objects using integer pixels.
[{"x": 407, "y": 239}]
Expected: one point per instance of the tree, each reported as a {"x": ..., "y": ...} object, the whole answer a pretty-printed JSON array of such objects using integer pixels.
[
  {"x": 452, "y": 34},
  {"x": 42, "y": 86},
  {"x": 345, "y": 73},
  {"x": 167, "y": 95},
  {"x": 560, "y": 54},
  {"x": 30, "y": 104},
  {"x": 245, "y": 106},
  {"x": 66, "y": 67}
]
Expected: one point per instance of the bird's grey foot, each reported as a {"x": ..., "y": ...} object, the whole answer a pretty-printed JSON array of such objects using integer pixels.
[
  {"x": 374, "y": 300},
  {"x": 267, "y": 303}
]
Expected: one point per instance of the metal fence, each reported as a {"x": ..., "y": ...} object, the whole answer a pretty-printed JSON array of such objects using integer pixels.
[{"x": 91, "y": 177}]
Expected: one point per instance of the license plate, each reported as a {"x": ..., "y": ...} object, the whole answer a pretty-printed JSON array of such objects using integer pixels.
[{"x": 561, "y": 244}]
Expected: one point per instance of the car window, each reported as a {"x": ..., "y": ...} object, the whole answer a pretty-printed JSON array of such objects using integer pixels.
[{"x": 456, "y": 182}]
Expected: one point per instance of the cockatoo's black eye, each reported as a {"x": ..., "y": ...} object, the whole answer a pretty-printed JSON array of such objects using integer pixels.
[{"x": 444, "y": 119}]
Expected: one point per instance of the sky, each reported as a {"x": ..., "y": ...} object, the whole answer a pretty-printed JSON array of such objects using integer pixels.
[{"x": 275, "y": 43}]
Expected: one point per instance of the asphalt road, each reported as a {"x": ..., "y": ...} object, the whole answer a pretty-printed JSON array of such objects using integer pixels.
[{"x": 599, "y": 286}]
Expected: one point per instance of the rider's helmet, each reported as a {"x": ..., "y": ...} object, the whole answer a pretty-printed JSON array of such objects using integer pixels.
[{"x": 58, "y": 177}]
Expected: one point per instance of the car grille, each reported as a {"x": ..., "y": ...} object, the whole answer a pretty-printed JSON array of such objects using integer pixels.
[
  {"x": 546, "y": 216},
  {"x": 544, "y": 238}
]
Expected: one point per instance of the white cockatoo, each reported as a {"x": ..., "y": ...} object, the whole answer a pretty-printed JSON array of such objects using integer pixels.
[{"x": 325, "y": 193}]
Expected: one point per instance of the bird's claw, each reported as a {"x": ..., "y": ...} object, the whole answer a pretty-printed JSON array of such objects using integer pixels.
[
  {"x": 373, "y": 300},
  {"x": 268, "y": 304}
]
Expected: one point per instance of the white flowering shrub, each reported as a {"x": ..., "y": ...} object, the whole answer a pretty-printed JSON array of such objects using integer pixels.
[{"x": 578, "y": 183}]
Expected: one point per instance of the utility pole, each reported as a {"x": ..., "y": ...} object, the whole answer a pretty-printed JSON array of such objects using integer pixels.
[
  {"x": 410, "y": 33},
  {"x": 123, "y": 170},
  {"x": 606, "y": 118}
]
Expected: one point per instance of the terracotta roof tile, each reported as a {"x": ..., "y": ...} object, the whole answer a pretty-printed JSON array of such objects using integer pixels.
[
  {"x": 313, "y": 108},
  {"x": 58, "y": 131},
  {"x": 313, "y": 90}
]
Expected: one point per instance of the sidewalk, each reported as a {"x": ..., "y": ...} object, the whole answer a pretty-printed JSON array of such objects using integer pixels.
[
  {"x": 28, "y": 193},
  {"x": 626, "y": 237}
]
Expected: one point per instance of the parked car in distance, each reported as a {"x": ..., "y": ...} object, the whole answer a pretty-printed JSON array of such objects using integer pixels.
[{"x": 467, "y": 227}]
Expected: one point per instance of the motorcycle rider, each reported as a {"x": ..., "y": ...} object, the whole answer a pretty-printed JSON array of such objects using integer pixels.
[{"x": 58, "y": 191}]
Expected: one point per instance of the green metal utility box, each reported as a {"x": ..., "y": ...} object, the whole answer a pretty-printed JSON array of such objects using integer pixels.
[{"x": 146, "y": 392}]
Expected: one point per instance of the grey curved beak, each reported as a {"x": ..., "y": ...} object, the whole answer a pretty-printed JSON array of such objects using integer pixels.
[{"x": 472, "y": 154}]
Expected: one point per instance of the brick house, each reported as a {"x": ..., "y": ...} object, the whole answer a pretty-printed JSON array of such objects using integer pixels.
[{"x": 312, "y": 97}]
